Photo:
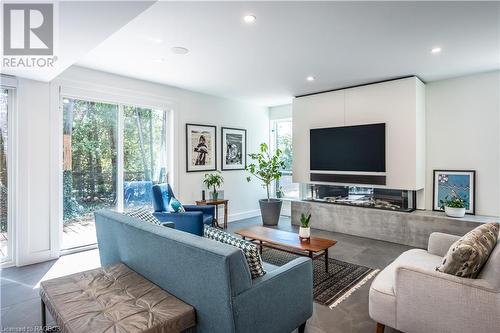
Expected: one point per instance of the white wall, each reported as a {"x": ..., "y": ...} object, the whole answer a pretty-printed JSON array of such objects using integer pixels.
[
  {"x": 463, "y": 125},
  {"x": 40, "y": 148},
  {"x": 398, "y": 104},
  {"x": 280, "y": 112}
]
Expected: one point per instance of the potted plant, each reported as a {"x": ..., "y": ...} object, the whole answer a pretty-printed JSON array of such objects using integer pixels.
[
  {"x": 214, "y": 181},
  {"x": 267, "y": 168},
  {"x": 305, "y": 226},
  {"x": 453, "y": 206}
]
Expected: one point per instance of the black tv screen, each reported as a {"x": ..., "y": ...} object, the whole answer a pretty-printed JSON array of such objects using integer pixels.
[{"x": 349, "y": 148}]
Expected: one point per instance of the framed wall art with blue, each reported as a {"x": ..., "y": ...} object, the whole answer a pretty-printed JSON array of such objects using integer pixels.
[{"x": 450, "y": 184}]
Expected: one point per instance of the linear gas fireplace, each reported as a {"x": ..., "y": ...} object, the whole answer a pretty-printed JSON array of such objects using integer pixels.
[{"x": 369, "y": 197}]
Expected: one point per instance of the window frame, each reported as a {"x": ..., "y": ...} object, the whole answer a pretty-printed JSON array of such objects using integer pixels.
[
  {"x": 105, "y": 93},
  {"x": 274, "y": 146},
  {"x": 10, "y": 84},
  {"x": 120, "y": 154}
]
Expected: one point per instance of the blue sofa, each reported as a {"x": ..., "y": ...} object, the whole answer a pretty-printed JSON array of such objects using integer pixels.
[
  {"x": 191, "y": 221},
  {"x": 212, "y": 277}
]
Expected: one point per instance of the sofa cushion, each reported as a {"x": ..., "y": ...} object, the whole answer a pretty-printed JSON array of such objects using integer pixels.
[
  {"x": 250, "y": 250},
  {"x": 466, "y": 257},
  {"x": 382, "y": 305},
  {"x": 143, "y": 214}
]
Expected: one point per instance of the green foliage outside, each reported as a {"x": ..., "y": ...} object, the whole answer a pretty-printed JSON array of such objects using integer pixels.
[
  {"x": 91, "y": 182},
  {"x": 266, "y": 167},
  {"x": 3, "y": 159},
  {"x": 284, "y": 144}
]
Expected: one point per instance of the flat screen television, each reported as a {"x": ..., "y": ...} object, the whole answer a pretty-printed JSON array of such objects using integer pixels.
[{"x": 348, "y": 148}]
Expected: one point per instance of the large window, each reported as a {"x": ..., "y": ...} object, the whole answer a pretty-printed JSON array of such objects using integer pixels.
[
  {"x": 4, "y": 175},
  {"x": 145, "y": 154},
  {"x": 282, "y": 137},
  {"x": 112, "y": 156}
]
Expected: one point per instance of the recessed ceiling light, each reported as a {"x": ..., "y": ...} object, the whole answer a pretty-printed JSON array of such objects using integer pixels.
[
  {"x": 160, "y": 60},
  {"x": 310, "y": 78},
  {"x": 179, "y": 50},
  {"x": 249, "y": 18},
  {"x": 436, "y": 50}
]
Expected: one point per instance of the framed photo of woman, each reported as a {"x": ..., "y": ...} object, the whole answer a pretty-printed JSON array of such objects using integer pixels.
[
  {"x": 201, "y": 148},
  {"x": 234, "y": 148}
]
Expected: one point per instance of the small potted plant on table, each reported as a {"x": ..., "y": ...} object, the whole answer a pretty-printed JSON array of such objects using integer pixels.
[
  {"x": 213, "y": 181},
  {"x": 454, "y": 205},
  {"x": 305, "y": 226},
  {"x": 267, "y": 168}
]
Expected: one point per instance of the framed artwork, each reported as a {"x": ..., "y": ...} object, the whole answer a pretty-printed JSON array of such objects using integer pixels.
[
  {"x": 449, "y": 183},
  {"x": 201, "y": 148},
  {"x": 234, "y": 148}
]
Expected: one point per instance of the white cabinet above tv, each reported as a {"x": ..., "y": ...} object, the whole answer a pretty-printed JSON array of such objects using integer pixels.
[{"x": 400, "y": 104}]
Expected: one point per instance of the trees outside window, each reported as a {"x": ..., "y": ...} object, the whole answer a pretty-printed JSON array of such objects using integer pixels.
[
  {"x": 112, "y": 156},
  {"x": 4, "y": 177},
  {"x": 282, "y": 136}
]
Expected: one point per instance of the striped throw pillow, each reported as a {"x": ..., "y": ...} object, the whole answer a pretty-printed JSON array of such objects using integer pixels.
[{"x": 249, "y": 249}]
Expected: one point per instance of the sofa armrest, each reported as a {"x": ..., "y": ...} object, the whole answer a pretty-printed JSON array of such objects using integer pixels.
[
  {"x": 280, "y": 301},
  {"x": 439, "y": 243},
  {"x": 168, "y": 224},
  {"x": 210, "y": 210},
  {"x": 431, "y": 301},
  {"x": 191, "y": 222}
]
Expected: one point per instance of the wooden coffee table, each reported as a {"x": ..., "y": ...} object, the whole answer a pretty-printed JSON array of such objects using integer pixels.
[{"x": 288, "y": 242}]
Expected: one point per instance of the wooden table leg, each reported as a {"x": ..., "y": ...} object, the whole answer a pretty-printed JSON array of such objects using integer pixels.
[
  {"x": 260, "y": 247},
  {"x": 225, "y": 215},
  {"x": 326, "y": 260},
  {"x": 310, "y": 254}
]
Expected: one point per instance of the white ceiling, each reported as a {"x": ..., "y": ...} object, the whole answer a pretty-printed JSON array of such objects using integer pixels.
[
  {"x": 81, "y": 26},
  {"x": 339, "y": 43}
]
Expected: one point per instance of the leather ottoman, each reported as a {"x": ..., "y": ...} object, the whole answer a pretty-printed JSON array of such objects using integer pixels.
[{"x": 113, "y": 299}]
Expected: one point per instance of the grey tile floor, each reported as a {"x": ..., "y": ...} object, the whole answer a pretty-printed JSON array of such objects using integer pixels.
[{"x": 20, "y": 304}]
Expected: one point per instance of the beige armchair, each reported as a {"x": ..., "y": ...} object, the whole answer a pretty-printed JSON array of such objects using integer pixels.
[{"x": 411, "y": 296}]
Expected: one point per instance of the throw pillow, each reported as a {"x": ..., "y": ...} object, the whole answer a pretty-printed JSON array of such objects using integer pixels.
[
  {"x": 249, "y": 249},
  {"x": 466, "y": 257},
  {"x": 176, "y": 206},
  {"x": 143, "y": 214}
]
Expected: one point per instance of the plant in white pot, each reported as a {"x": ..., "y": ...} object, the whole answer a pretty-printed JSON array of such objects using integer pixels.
[
  {"x": 213, "y": 181},
  {"x": 453, "y": 206},
  {"x": 267, "y": 168},
  {"x": 305, "y": 226}
]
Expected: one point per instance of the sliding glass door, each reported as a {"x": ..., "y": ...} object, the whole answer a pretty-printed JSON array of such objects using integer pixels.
[
  {"x": 112, "y": 156},
  {"x": 89, "y": 167},
  {"x": 145, "y": 154},
  {"x": 5, "y": 253}
]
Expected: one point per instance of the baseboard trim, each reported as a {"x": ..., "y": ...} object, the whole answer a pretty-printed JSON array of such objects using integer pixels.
[{"x": 243, "y": 215}]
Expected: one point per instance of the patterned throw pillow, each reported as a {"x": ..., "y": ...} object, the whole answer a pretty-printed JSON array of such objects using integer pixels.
[
  {"x": 143, "y": 214},
  {"x": 176, "y": 206},
  {"x": 249, "y": 249},
  {"x": 467, "y": 256}
]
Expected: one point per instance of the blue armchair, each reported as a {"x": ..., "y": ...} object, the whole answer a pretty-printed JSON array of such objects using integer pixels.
[{"x": 191, "y": 221}]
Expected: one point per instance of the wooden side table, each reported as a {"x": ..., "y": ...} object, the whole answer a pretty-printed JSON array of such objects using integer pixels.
[{"x": 216, "y": 203}]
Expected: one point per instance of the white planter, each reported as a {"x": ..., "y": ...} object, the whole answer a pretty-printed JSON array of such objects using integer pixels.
[
  {"x": 454, "y": 212},
  {"x": 304, "y": 232}
]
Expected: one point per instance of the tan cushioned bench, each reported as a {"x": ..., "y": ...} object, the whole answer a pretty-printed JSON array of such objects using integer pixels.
[{"x": 113, "y": 299}]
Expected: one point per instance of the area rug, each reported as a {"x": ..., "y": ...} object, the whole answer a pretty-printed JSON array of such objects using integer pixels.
[{"x": 330, "y": 288}]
